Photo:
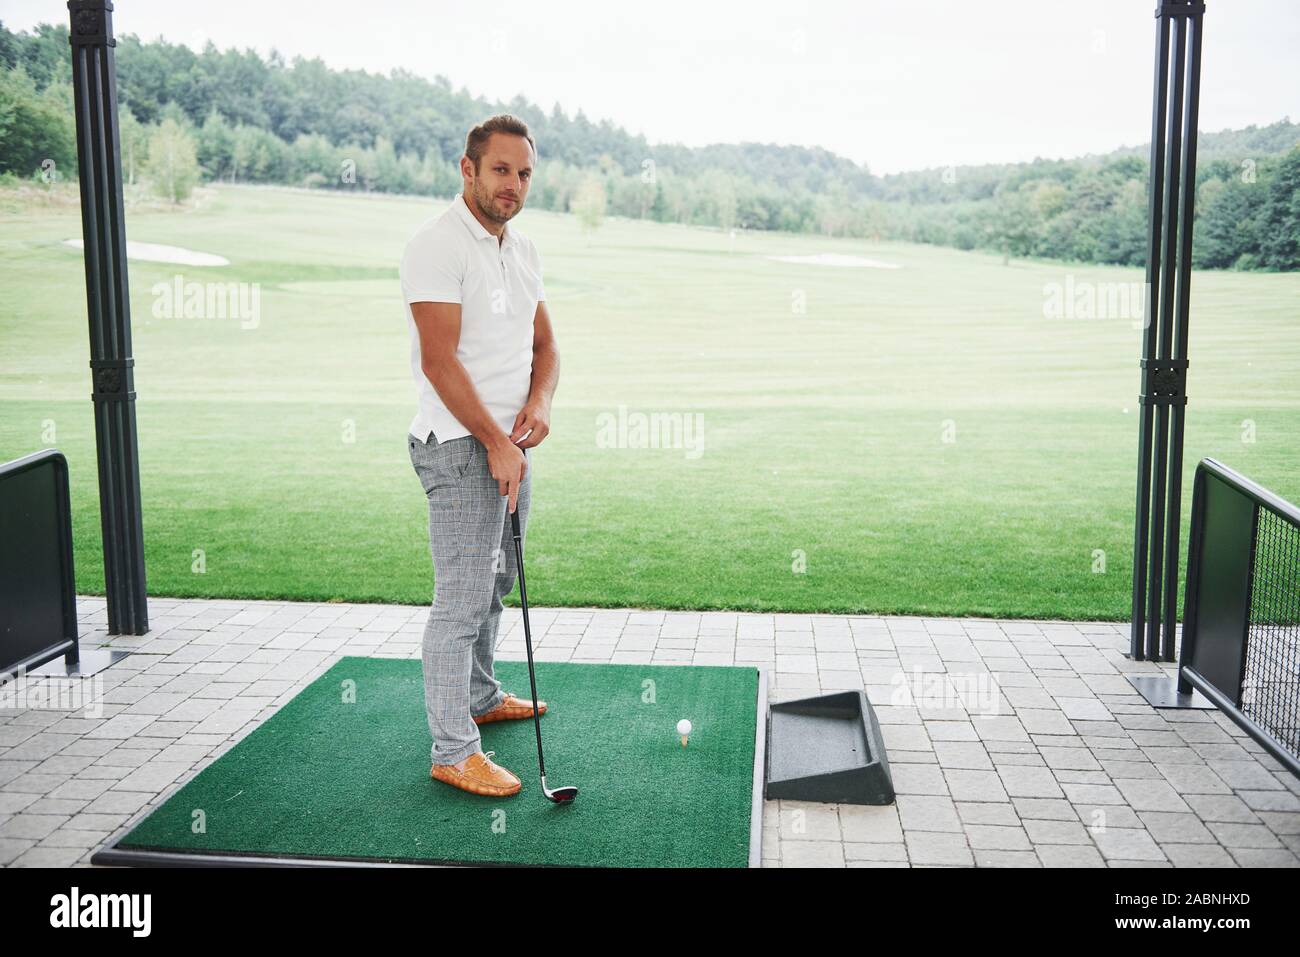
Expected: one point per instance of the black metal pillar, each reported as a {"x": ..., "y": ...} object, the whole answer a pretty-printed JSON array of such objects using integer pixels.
[
  {"x": 1163, "y": 399},
  {"x": 99, "y": 167}
]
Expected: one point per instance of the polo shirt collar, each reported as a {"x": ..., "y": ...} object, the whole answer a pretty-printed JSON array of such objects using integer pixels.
[{"x": 478, "y": 230}]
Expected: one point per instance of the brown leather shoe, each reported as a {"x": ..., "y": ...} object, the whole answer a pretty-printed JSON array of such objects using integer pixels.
[
  {"x": 510, "y": 709},
  {"x": 480, "y": 776}
]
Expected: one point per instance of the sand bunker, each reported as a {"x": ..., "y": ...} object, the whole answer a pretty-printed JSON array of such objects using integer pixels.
[
  {"x": 158, "y": 253},
  {"x": 837, "y": 259}
]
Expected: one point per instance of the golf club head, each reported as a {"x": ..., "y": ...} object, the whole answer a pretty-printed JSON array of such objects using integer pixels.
[{"x": 559, "y": 795}]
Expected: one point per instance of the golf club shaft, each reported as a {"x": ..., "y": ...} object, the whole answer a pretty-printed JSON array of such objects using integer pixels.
[{"x": 528, "y": 641}]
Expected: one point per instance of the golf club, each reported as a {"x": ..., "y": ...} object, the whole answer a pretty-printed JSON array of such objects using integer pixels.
[{"x": 558, "y": 795}]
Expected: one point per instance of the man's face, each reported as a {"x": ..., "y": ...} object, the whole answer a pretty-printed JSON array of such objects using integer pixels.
[{"x": 505, "y": 172}]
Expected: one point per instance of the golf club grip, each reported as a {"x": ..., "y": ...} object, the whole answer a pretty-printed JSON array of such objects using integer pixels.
[{"x": 514, "y": 524}]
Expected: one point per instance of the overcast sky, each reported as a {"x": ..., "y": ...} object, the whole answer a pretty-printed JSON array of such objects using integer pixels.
[{"x": 892, "y": 84}]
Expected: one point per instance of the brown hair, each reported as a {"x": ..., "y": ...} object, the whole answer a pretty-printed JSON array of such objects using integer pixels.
[{"x": 501, "y": 123}]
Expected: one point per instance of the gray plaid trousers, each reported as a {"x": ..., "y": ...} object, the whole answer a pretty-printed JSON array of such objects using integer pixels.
[{"x": 472, "y": 545}]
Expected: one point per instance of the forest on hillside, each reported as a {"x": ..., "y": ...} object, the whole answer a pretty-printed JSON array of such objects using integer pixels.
[{"x": 189, "y": 117}]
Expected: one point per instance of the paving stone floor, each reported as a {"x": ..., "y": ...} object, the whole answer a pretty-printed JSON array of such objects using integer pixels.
[{"x": 1011, "y": 743}]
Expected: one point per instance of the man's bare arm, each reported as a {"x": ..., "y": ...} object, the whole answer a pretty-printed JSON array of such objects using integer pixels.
[
  {"x": 535, "y": 416},
  {"x": 438, "y": 324}
]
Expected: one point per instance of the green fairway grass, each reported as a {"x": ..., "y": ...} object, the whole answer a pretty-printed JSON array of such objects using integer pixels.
[
  {"x": 342, "y": 771},
  {"x": 918, "y": 440}
]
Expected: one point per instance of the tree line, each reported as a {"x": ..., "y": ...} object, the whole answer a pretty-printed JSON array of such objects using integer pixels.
[{"x": 234, "y": 116}]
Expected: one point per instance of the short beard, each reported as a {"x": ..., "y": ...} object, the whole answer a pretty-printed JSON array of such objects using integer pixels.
[{"x": 486, "y": 207}]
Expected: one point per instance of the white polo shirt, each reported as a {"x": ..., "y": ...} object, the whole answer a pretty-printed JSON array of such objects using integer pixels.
[{"x": 453, "y": 258}]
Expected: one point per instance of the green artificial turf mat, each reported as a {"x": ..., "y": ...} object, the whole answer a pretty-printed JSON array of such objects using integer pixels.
[{"x": 331, "y": 777}]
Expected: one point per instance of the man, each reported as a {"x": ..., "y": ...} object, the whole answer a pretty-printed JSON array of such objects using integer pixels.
[{"x": 485, "y": 365}]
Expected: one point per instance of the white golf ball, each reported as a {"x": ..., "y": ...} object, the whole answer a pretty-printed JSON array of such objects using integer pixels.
[{"x": 683, "y": 726}]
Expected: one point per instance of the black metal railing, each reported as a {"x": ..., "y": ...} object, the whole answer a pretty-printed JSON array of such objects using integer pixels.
[
  {"x": 38, "y": 598},
  {"x": 1241, "y": 633}
]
